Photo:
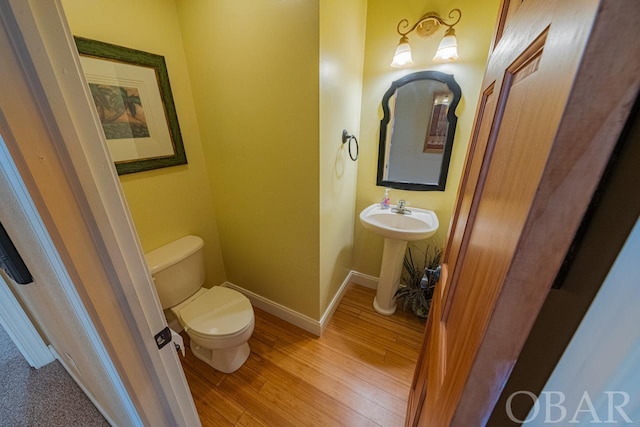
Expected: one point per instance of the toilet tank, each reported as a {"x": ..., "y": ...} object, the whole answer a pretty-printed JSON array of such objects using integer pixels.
[{"x": 177, "y": 269}]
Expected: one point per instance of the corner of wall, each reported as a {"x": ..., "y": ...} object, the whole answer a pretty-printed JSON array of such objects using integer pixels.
[{"x": 342, "y": 38}]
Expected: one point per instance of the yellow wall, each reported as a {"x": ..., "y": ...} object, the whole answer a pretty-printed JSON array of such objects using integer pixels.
[
  {"x": 254, "y": 68},
  {"x": 474, "y": 33},
  {"x": 168, "y": 203},
  {"x": 342, "y": 36},
  {"x": 263, "y": 91}
]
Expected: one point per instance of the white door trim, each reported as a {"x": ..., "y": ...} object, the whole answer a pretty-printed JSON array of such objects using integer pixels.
[
  {"x": 20, "y": 329},
  {"x": 16, "y": 195},
  {"x": 41, "y": 37},
  {"x": 602, "y": 358}
]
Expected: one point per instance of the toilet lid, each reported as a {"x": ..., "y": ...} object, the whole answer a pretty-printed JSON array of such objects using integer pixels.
[{"x": 218, "y": 311}]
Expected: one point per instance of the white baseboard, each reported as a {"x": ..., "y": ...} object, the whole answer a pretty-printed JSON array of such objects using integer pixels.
[
  {"x": 298, "y": 319},
  {"x": 331, "y": 308},
  {"x": 364, "y": 280},
  {"x": 21, "y": 331},
  {"x": 285, "y": 313}
]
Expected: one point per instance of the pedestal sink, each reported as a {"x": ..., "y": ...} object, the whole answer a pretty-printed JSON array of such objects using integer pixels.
[{"x": 397, "y": 229}]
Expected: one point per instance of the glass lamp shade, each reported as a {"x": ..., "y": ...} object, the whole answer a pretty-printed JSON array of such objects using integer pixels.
[
  {"x": 448, "y": 48},
  {"x": 402, "y": 56}
]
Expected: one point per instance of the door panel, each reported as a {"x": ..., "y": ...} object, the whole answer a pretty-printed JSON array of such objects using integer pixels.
[
  {"x": 521, "y": 197},
  {"x": 466, "y": 214},
  {"x": 504, "y": 199},
  {"x": 508, "y": 10}
]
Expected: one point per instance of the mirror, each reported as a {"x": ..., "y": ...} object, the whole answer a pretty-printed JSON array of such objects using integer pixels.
[{"x": 417, "y": 130}]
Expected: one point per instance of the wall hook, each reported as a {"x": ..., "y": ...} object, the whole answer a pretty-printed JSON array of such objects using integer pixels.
[{"x": 349, "y": 138}]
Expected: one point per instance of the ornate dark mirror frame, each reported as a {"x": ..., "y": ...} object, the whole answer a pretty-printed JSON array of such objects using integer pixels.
[{"x": 451, "y": 118}]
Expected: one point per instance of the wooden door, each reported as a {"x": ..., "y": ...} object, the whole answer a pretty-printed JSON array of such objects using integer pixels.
[{"x": 556, "y": 94}]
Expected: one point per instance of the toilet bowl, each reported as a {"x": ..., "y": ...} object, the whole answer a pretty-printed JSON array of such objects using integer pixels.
[{"x": 219, "y": 320}]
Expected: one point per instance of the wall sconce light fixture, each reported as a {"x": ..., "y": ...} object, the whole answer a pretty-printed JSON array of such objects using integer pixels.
[{"x": 426, "y": 27}]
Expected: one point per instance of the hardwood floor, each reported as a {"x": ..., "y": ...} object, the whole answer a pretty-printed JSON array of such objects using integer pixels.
[{"x": 357, "y": 374}]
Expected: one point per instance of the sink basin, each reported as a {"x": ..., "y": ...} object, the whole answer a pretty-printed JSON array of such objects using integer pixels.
[
  {"x": 397, "y": 229},
  {"x": 419, "y": 225}
]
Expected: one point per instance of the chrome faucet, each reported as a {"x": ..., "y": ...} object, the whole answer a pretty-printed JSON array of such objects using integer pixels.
[{"x": 401, "y": 208}]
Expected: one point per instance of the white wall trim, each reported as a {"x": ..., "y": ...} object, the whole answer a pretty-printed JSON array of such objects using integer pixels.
[
  {"x": 364, "y": 280},
  {"x": 298, "y": 319},
  {"x": 20, "y": 329},
  {"x": 603, "y": 354},
  {"x": 19, "y": 196},
  {"x": 41, "y": 37},
  {"x": 331, "y": 308},
  {"x": 285, "y": 313}
]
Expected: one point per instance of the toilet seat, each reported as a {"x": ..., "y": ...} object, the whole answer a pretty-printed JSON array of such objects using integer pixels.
[{"x": 217, "y": 312}]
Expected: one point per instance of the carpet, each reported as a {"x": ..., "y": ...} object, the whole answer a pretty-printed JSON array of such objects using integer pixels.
[{"x": 40, "y": 397}]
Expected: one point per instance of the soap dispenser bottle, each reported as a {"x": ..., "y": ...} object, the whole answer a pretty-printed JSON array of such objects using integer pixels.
[{"x": 384, "y": 204}]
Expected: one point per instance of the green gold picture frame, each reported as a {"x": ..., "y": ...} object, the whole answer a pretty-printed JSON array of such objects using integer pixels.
[{"x": 133, "y": 99}]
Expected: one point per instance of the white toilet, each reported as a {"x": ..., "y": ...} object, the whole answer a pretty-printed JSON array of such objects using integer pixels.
[{"x": 219, "y": 320}]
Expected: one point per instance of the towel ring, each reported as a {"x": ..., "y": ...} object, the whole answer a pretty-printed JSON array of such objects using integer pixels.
[{"x": 349, "y": 138}]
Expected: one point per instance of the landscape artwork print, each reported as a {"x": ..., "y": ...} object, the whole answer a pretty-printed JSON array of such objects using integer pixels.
[
  {"x": 133, "y": 100},
  {"x": 120, "y": 110}
]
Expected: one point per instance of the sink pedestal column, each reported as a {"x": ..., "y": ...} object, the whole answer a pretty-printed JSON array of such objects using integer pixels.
[{"x": 390, "y": 270}]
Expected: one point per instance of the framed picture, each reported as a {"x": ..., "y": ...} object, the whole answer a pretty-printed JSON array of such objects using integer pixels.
[{"x": 132, "y": 95}]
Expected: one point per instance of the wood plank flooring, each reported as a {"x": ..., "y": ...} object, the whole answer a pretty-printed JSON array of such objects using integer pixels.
[{"x": 357, "y": 374}]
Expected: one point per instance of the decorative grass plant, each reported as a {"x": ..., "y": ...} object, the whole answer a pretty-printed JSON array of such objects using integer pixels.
[{"x": 420, "y": 273}]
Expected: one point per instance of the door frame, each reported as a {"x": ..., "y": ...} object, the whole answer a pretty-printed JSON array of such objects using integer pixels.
[
  {"x": 602, "y": 355},
  {"x": 18, "y": 326},
  {"x": 21, "y": 218},
  {"x": 40, "y": 36}
]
